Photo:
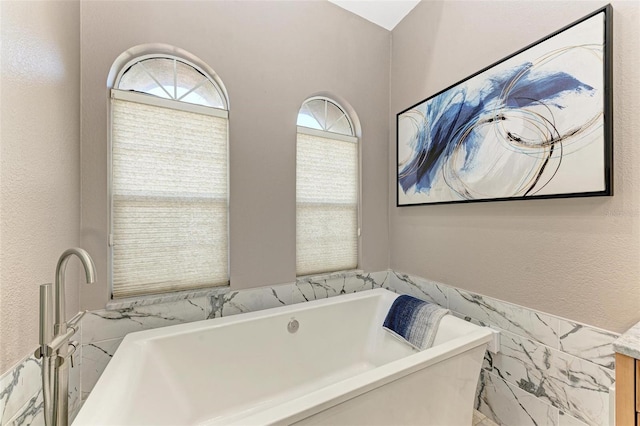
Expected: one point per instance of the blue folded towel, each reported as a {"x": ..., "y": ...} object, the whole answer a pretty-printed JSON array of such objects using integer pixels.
[{"x": 414, "y": 321}]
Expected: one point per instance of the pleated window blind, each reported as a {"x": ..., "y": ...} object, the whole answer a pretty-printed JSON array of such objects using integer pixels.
[
  {"x": 327, "y": 188},
  {"x": 169, "y": 201}
]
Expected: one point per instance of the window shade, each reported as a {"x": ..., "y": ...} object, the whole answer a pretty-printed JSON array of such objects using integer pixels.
[
  {"x": 326, "y": 204},
  {"x": 169, "y": 199}
]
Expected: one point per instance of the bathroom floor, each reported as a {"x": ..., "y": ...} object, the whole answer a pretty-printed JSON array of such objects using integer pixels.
[{"x": 480, "y": 419}]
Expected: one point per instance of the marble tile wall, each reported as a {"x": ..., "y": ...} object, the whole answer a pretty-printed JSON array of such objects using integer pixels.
[
  {"x": 20, "y": 392},
  {"x": 21, "y": 400},
  {"x": 550, "y": 371}
]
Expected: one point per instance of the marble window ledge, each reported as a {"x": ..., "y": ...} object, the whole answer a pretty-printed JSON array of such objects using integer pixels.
[
  {"x": 132, "y": 302},
  {"x": 331, "y": 275}
]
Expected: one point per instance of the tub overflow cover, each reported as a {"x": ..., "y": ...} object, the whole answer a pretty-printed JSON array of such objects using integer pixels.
[{"x": 293, "y": 325}]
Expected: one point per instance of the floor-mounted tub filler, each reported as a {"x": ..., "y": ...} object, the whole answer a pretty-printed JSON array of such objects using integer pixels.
[{"x": 323, "y": 362}]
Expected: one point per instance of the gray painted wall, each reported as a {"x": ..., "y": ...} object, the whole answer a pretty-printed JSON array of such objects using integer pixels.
[
  {"x": 576, "y": 258},
  {"x": 271, "y": 56},
  {"x": 39, "y": 162}
]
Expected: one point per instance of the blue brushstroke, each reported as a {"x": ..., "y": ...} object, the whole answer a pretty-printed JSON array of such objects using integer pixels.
[{"x": 451, "y": 113}]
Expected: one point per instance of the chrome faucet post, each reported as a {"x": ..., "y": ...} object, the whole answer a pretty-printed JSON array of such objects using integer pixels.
[
  {"x": 54, "y": 349},
  {"x": 46, "y": 335}
]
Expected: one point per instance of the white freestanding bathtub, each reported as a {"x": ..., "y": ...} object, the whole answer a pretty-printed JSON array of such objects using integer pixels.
[{"x": 339, "y": 368}]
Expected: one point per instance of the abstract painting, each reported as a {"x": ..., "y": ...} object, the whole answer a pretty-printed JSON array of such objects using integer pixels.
[{"x": 536, "y": 124}]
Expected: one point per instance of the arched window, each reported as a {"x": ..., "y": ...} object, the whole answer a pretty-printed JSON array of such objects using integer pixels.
[
  {"x": 327, "y": 188},
  {"x": 169, "y": 202},
  {"x": 171, "y": 78}
]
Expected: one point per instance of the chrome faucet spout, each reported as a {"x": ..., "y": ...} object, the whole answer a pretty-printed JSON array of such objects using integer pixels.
[
  {"x": 55, "y": 352},
  {"x": 90, "y": 273}
]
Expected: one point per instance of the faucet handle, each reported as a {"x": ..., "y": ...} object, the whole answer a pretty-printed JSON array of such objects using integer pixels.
[
  {"x": 72, "y": 350},
  {"x": 73, "y": 322}
]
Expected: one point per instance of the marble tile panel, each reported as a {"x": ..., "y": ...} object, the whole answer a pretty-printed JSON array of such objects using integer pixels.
[
  {"x": 75, "y": 370},
  {"x": 568, "y": 420},
  {"x": 18, "y": 386},
  {"x": 381, "y": 278},
  {"x": 480, "y": 419},
  {"x": 471, "y": 320},
  {"x": 95, "y": 357},
  {"x": 105, "y": 325},
  {"x": 74, "y": 409},
  {"x": 419, "y": 287},
  {"x": 249, "y": 300},
  {"x": 313, "y": 288},
  {"x": 74, "y": 414},
  {"x": 477, "y": 417},
  {"x": 590, "y": 343},
  {"x": 31, "y": 414},
  {"x": 583, "y": 388},
  {"x": 568, "y": 383},
  {"x": 75, "y": 397},
  {"x": 516, "y": 319},
  {"x": 506, "y": 404},
  {"x": 337, "y": 283},
  {"x": 487, "y": 422},
  {"x": 363, "y": 281}
]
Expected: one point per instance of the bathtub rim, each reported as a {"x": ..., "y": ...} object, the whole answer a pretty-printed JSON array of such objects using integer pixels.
[{"x": 188, "y": 327}]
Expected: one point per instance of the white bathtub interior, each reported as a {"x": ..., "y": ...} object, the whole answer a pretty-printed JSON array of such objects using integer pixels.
[{"x": 250, "y": 369}]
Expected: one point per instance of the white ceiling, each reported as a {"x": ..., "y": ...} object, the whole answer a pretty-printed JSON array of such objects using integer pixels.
[{"x": 386, "y": 13}]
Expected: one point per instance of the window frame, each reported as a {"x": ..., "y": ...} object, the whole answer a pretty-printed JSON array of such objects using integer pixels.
[
  {"x": 337, "y": 105},
  {"x": 355, "y": 138},
  {"x": 149, "y": 99},
  {"x": 213, "y": 78}
]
